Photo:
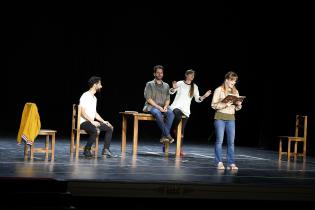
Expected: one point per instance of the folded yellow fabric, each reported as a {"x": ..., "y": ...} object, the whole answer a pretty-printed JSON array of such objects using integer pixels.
[{"x": 30, "y": 124}]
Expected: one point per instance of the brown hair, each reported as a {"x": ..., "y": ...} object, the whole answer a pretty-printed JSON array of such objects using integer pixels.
[
  {"x": 192, "y": 87},
  {"x": 231, "y": 75},
  {"x": 155, "y": 68}
]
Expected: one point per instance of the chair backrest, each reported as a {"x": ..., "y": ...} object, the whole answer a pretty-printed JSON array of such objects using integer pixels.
[
  {"x": 76, "y": 114},
  {"x": 301, "y": 126}
]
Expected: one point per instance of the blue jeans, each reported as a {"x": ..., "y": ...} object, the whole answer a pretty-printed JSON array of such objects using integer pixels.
[
  {"x": 164, "y": 124},
  {"x": 229, "y": 127}
]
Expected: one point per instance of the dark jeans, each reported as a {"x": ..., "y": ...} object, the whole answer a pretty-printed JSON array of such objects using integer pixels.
[
  {"x": 178, "y": 116},
  {"x": 92, "y": 131}
]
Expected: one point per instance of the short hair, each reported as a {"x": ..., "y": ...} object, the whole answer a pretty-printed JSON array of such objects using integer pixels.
[
  {"x": 94, "y": 80},
  {"x": 155, "y": 68}
]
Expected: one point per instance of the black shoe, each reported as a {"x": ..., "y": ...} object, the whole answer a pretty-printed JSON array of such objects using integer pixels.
[
  {"x": 87, "y": 153},
  {"x": 108, "y": 153},
  {"x": 169, "y": 137}
]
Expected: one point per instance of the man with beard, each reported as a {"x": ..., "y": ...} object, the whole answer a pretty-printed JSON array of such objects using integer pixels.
[
  {"x": 91, "y": 120},
  {"x": 157, "y": 97}
]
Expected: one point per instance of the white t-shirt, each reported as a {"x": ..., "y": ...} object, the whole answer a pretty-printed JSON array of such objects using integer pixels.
[
  {"x": 88, "y": 101},
  {"x": 182, "y": 99}
]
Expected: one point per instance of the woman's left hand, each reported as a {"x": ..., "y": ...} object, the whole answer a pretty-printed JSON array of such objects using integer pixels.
[{"x": 238, "y": 103}]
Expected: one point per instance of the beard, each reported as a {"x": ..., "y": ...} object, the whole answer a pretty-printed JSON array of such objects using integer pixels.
[{"x": 159, "y": 77}]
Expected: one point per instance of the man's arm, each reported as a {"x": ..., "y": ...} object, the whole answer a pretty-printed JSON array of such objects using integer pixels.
[
  {"x": 99, "y": 118},
  {"x": 85, "y": 116},
  {"x": 166, "y": 104},
  {"x": 152, "y": 103}
]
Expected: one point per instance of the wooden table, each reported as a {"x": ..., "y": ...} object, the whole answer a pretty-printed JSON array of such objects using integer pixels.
[{"x": 145, "y": 117}]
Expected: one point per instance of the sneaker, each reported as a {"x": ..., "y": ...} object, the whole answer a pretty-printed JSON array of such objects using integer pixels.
[
  {"x": 220, "y": 166},
  {"x": 164, "y": 139},
  {"x": 108, "y": 153},
  {"x": 170, "y": 138},
  {"x": 87, "y": 153},
  {"x": 232, "y": 167}
]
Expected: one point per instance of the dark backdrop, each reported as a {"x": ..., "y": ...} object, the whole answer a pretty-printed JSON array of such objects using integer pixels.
[{"x": 48, "y": 56}]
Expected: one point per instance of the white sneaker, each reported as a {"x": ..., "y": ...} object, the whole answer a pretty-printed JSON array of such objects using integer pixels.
[
  {"x": 164, "y": 139},
  {"x": 232, "y": 167},
  {"x": 220, "y": 166}
]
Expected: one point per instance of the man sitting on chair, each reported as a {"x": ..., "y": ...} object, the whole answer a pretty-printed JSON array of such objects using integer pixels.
[
  {"x": 157, "y": 97},
  {"x": 91, "y": 120}
]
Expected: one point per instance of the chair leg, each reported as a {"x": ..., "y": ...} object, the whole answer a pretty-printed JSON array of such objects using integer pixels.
[
  {"x": 72, "y": 142},
  {"x": 167, "y": 146},
  {"x": 96, "y": 146},
  {"x": 280, "y": 149},
  {"x": 32, "y": 150},
  {"x": 25, "y": 151},
  {"x": 46, "y": 147},
  {"x": 77, "y": 145},
  {"x": 295, "y": 149},
  {"x": 304, "y": 150},
  {"x": 289, "y": 149},
  {"x": 53, "y": 139}
]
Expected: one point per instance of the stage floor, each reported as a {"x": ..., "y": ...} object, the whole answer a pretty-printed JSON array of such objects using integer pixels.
[{"x": 152, "y": 174}]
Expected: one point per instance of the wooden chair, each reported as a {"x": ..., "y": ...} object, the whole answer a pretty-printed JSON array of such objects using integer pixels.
[
  {"x": 76, "y": 132},
  {"x": 30, "y": 130},
  {"x": 42, "y": 132},
  {"x": 300, "y": 136}
]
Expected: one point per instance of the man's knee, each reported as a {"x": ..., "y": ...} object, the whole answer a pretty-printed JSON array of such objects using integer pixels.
[
  {"x": 93, "y": 132},
  {"x": 156, "y": 113},
  {"x": 170, "y": 113}
]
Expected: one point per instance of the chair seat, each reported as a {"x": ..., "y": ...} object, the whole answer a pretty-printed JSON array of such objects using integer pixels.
[
  {"x": 46, "y": 131},
  {"x": 294, "y": 138}
]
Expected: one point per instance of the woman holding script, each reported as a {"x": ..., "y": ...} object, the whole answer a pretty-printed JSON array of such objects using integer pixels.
[{"x": 224, "y": 119}]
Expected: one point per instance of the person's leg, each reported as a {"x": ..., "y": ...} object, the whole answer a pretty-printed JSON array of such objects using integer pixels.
[
  {"x": 92, "y": 131},
  {"x": 108, "y": 134},
  {"x": 230, "y": 136},
  {"x": 219, "y": 126},
  {"x": 108, "y": 137},
  {"x": 157, "y": 114},
  {"x": 185, "y": 120},
  {"x": 177, "y": 117},
  {"x": 169, "y": 120}
]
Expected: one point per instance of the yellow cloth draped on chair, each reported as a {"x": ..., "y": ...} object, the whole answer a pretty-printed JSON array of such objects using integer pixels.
[{"x": 30, "y": 124}]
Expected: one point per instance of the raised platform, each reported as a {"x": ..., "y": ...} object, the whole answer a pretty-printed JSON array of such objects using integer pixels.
[{"x": 152, "y": 175}]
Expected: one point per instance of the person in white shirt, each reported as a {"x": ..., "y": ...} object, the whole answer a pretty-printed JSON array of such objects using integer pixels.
[
  {"x": 91, "y": 121},
  {"x": 185, "y": 90}
]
